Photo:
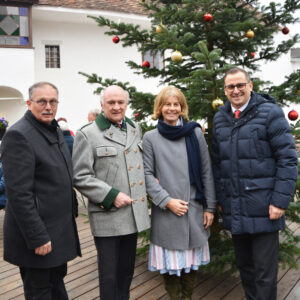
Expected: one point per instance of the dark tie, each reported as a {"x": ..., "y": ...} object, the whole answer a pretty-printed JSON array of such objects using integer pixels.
[{"x": 237, "y": 114}]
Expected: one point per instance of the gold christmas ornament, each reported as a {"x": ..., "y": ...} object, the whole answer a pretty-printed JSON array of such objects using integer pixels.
[
  {"x": 159, "y": 28},
  {"x": 250, "y": 34},
  {"x": 216, "y": 103},
  {"x": 176, "y": 56},
  {"x": 298, "y": 92}
]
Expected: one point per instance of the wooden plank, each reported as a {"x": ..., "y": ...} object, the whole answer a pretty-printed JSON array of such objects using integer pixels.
[
  {"x": 288, "y": 282},
  {"x": 223, "y": 288},
  {"x": 294, "y": 293}
]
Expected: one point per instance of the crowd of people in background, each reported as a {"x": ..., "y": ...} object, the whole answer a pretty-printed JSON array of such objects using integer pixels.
[{"x": 251, "y": 179}]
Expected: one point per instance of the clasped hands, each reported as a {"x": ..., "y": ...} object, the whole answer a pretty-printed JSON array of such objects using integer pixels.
[{"x": 180, "y": 207}]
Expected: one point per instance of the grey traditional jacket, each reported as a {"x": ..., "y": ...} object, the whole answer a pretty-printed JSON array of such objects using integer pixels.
[
  {"x": 167, "y": 161},
  {"x": 108, "y": 160}
]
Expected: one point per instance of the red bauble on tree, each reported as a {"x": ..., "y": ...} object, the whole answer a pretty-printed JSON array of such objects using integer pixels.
[
  {"x": 252, "y": 54},
  {"x": 116, "y": 39},
  {"x": 285, "y": 30},
  {"x": 146, "y": 64},
  {"x": 293, "y": 115},
  {"x": 207, "y": 17}
]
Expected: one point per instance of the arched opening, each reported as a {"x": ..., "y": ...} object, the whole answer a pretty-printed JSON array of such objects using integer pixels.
[
  {"x": 9, "y": 93},
  {"x": 12, "y": 104}
]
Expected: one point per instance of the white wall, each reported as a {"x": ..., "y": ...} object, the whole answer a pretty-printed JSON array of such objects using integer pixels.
[
  {"x": 16, "y": 71},
  {"x": 84, "y": 47}
]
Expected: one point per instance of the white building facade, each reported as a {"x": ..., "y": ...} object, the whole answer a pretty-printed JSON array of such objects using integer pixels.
[{"x": 53, "y": 32}]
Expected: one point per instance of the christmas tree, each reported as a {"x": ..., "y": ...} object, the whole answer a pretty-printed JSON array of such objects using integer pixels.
[{"x": 200, "y": 40}]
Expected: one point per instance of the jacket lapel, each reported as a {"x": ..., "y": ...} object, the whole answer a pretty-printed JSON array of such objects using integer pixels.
[
  {"x": 131, "y": 135},
  {"x": 116, "y": 135}
]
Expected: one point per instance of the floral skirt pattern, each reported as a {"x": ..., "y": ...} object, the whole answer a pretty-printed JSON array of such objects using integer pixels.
[{"x": 174, "y": 261}]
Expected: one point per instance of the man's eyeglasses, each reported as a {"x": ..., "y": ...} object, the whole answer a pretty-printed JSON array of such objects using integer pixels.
[
  {"x": 239, "y": 86},
  {"x": 43, "y": 103}
]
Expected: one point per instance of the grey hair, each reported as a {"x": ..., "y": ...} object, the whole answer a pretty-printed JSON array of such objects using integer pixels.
[
  {"x": 95, "y": 111},
  {"x": 104, "y": 90},
  {"x": 237, "y": 70},
  {"x": 38, "y": 85}
]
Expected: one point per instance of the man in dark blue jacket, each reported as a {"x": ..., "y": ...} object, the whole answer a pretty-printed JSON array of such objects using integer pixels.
[{"x": 255, "y": 169}]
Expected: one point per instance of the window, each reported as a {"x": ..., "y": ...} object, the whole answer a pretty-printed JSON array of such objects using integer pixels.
[
  {"x": 155, "y": 58},
  {"x": 295, "y": 54},
  {"x": 52, "y": 56},
  {"x": 15, "y": 30}
]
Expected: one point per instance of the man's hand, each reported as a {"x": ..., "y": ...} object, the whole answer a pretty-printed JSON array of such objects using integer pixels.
[
  {"x": 122, "y": 200},
  {"x": 177, "y": 206},
  {"x": 208, "y": 218},
  {"x": 43, "y": 250},
  {"x": 275, "y": 212}
]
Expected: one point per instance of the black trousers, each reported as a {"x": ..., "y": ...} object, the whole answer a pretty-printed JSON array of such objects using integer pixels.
[
  {"x": 116, "y": 258},
  {"x": 44, "y": 284},
  {"x": 257, "y": 260}
]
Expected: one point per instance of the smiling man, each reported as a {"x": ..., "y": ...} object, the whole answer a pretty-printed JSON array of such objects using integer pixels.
[
  {"x": 108, "y": 170},
  {"x": 255, "y": 169},
  {"x": 40, "y": 234}
]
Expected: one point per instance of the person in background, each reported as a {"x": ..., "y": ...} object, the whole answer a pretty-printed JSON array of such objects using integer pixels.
[
  {"x": 180, "y": 182},
  {"x": 108, "y": 170},
  {"x": 40, "y": 234},
  {"x": 61, "y": 119},
  {"x": 255, "y": 170},
  {"x": 3, "y": 127},
  {"x": 69, "y": 139},
  {"x": 93, "y": 114}
]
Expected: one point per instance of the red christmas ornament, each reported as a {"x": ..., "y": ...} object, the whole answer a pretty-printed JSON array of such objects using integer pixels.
[
  {"x": 146, "y": 64},
  {"x": 252, "y": 54},
  {"x": 116, "y": 39},
  {"x": 136, "y": 115},
  {"x": 285, "y": 30},
  {"x": 293, "y": 115},
  {"x": 207, "y": 17}
]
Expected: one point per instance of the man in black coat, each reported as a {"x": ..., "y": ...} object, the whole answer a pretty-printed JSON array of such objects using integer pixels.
[
  {"x": 255, "y": 170},
  {"x": 40, "y": 234}
]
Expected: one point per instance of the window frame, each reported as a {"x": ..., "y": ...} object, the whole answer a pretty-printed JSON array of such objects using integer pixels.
[
  {"x": 29, "y": 45},
  {"x": 59, "y": 56}
]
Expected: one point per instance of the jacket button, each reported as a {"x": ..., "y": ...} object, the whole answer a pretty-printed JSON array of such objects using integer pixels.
[
  {"x": 129, "y": 168},
  {"x": 135, "y": 150},
  {"x": 138, "y": 166},
  {"x": 133, "y": 201},
  {"x": 143, "y": 198},
  {"x": 141, "y": 182},
  {"x": 106, "y": 153},
  {"x": 126, "y": 151},
  {"x": 132, "y": 184}
]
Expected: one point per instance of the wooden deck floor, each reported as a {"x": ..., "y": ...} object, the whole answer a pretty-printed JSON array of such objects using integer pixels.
[{"x": 82, "y": 279}]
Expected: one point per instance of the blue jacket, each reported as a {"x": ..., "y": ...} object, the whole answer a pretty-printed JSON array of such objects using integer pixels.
[
  {"x": 255, "y": 165},
  {"x": 2, "y": 187}
]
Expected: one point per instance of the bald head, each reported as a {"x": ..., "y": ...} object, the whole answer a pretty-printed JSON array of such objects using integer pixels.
[{"x": 114, "y": 102}]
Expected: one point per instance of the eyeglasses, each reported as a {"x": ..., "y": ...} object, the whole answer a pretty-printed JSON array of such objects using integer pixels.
[
  {"x": 43, "y": 103},
  {"x": 239, "y": 86}
]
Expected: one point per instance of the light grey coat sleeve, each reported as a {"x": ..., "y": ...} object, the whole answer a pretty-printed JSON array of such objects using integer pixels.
[
  {"x": 207, "y": 174},
  {"x": 85, "y": 178},
  {"x": 160, "y": 197}
]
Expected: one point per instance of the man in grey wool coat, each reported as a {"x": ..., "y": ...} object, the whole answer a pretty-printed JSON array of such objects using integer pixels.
[{"x": 108, "y": 170}]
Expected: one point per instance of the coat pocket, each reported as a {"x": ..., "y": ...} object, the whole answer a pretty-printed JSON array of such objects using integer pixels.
[
  {"x": 257, "y": 196},
  {"x": 106, "y": 151}
]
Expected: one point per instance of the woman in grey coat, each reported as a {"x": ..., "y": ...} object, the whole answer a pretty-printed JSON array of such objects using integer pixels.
[{"x": 180, "y": 182}]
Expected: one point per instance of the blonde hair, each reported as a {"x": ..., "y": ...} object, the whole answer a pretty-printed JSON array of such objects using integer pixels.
[{"x": 163, "y": 96}]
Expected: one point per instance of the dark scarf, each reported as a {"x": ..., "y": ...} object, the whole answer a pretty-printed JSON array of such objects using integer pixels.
[{"x": 193, "y": 151}]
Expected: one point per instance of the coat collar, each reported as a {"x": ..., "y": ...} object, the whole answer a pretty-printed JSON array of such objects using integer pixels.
[
  {"x": 50, "y": 132},
  {"x": 103, "y": 123}
]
